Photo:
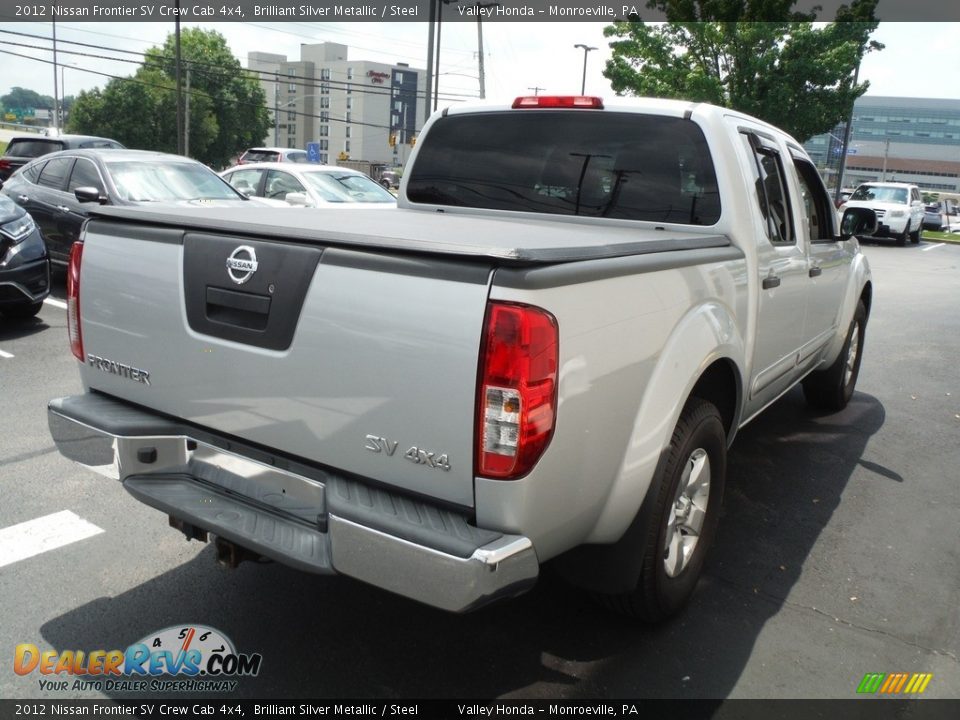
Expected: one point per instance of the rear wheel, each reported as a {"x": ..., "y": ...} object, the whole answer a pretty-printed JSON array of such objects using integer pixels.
[
  {"x": 687, "y": 509},
  {"x": 831, "y": 389},
  {"x": 915, "y": 237}
]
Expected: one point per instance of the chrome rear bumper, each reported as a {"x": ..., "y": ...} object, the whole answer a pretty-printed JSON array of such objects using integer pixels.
[{"x": 299, "y": 515}]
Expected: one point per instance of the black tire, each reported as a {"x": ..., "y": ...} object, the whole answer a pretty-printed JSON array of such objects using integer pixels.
[
  {"x": 831, "y": 389},
  {"x": 916, "y": 237},
  {"x": 902, "y": 237},
  {"x": 658, "y": 595},
  {"x": 23, "y": 312},
  {"x": 385, "y": 184}
]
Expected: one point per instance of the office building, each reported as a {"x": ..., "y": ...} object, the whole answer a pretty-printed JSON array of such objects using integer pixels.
[
  {"x": 915, "y": 140},
  {"x": 346, "y": 106}
]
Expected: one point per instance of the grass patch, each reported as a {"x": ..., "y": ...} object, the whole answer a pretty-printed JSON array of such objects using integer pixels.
[
  {"x": 941, "y": 236},
  {"x": 3, "y": 147}
]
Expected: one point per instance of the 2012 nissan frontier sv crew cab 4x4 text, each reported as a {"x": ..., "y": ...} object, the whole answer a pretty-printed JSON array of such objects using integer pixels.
[{"x": 542, "y": 355}]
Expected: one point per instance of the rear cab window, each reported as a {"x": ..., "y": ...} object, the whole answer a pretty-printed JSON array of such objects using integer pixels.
[
  {"x": 256, "y": 156},
  {"x": 606, "y": 164}
]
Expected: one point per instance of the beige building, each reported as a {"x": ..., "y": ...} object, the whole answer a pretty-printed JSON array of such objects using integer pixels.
[{"x": 342, "y": 105}]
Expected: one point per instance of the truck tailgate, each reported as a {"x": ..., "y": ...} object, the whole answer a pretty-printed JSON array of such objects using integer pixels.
[{"x": 362, "y": 361}]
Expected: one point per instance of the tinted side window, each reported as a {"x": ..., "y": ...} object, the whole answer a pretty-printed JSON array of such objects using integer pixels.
[
  {"x": 816, "y": 204},
  {"x": 85, "y": 175},
  {"x": 100, "y": 144},
  {"x": 628, "y": 166},
  {"x": 771, "y": 190},
  {"x": 55, "y": 173}
]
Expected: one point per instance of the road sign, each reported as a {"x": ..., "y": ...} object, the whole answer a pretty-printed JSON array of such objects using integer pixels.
[
  {"x": 851, "y": 151},
  {"x": 313, "y": 152}
]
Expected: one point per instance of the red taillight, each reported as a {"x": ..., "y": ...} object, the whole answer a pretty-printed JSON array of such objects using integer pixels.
[
  {"x": 516, "y": 400},
  {"x": 4, "y": 164},
  {"x": 73, "y": 300},
  {"x": 558, "y": 101}
]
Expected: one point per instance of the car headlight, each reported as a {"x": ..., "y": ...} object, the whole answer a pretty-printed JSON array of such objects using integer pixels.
[
  {"x": 19, "y": 229},
  {"x": 897, "y": 213}
]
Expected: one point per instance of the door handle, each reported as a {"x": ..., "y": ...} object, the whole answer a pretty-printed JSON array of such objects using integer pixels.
[
  {"x": 771, "y": 281},
  {"x": 815, "y": 271},
  {"x": 22, "y": 198},
  {"x": 63, "y": 208}
]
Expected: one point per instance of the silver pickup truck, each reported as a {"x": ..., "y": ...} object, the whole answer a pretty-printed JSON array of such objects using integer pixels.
[{"x": 542, "y": 355}]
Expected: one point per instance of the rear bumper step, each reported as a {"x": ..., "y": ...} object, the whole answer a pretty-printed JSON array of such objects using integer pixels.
[{"x": 302, "y": 516}]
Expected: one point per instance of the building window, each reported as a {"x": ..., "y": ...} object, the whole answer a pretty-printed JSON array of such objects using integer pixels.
[
  {"x": 349, "y": 73},
  {"x": 292, "y": 88},
  {"x": 324, "y": 144},
  {"x": 325, "y": 74},
  {"x": 324, "y": 130},
  {"x": 324, "y": 89},
  {"x": 346, "y": 146},
  {"x": 349, "y": 103},
  {"x": 349, "y": 89},
  {"x": 324, "y": 115},
  {"x": 291, "y": 115},
  {"x": 324, "y": 102},
  {"x": 347, "y": 131},
  {"x": 348, "y": 116},
  {"x": 323, "y": 158},
  {"x": 291, "y": 142}
]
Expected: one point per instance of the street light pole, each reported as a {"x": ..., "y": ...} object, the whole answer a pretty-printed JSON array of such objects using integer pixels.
[{"x": 586, "y": 50}]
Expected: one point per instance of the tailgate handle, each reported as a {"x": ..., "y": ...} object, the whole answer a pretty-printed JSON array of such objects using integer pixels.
[{"x": 245, "y": 310}]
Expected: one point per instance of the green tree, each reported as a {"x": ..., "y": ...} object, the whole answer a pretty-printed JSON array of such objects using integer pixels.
[
  {"x": 756, "y": 56},
  {"x": 19, "y": 97},
  {"x": 226, "y": 103}
]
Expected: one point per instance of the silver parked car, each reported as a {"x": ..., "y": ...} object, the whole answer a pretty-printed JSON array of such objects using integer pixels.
[{"x": 308, "y": 185}]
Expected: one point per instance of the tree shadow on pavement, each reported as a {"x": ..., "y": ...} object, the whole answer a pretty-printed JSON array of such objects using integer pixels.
[{"x": 334, "y": 637}]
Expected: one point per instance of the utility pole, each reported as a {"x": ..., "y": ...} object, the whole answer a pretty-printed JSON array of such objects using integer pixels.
[
  {"x": 276, "y": 110},
  {"x": 186, "y": 117},
  {"x": 846, "y": 141},
  {"x": 430, "y": 45},
  {"x": 179, "y": 88},
  {"x": 481, "y": 75},
  {"x": 886, "y": 154},
  {"x": 56, "y": 90},
  {"x": 586, "y": 50},
  {"x": 536, "y": 89}
]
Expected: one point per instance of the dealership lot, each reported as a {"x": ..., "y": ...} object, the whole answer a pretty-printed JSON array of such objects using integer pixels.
[{"x": 838, "y": 552}]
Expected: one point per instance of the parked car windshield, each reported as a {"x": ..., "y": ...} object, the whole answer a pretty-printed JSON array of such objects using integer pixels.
[
  {"x": 880, "y": 194},
  {"x": 627, "y": 166},
  {"x": 347, "y": 187},
  {"x": 165, "y": 181}
]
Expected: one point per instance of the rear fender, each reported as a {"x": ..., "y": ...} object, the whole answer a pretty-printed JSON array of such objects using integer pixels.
[{"x": 706, "y": 334}]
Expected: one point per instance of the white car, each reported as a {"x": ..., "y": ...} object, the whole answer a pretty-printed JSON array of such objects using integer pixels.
[
  {"x": 898, "y": 206},
  {"x": 308, "y": 185}
]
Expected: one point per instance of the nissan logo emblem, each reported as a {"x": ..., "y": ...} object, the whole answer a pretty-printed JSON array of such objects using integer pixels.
[{"x": 242, "y": 264}]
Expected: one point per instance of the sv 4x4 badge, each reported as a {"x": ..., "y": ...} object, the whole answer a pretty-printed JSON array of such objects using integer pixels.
[{"x": 415, "y": 454}]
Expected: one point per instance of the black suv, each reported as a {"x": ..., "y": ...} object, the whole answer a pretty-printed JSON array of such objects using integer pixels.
[
  {"x": 22, "y": 150},
  {"x": 24, "y": 263}
]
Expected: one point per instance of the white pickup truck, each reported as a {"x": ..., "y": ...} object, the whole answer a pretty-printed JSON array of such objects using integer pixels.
[{"x": 542, "y": 355}]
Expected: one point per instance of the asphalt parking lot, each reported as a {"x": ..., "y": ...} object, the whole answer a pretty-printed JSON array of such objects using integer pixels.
[{"x": 838, "y": 553}]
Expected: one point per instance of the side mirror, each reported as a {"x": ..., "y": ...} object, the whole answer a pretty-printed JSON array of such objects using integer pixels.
[
  {"x": 297, "y": 199},
  {"x": 857, "y": 221},
  {"x": 89, "y": 194}
]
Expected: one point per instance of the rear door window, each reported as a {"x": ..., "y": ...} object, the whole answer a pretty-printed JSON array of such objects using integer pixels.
[
  {"x": 246, "y": 181},
  {"x": 55, "y": 172},
  {"x": 627, "y": 166},
  {"x": 255, "y": 156},
  {"x": 32, "y": 148}
]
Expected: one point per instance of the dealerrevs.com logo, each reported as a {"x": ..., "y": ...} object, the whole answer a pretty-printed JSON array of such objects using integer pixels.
[
  {"x": 181, "y": 658},
  {"x": 894, "y": 683}
]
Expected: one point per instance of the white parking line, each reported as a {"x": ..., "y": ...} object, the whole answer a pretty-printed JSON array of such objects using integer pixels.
[
  {"x": 56, "y": 303},
  {"x": 5, "y": 355},
  {"x": 933, "y": 247},
  {"x": 26, "y": 539}
]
